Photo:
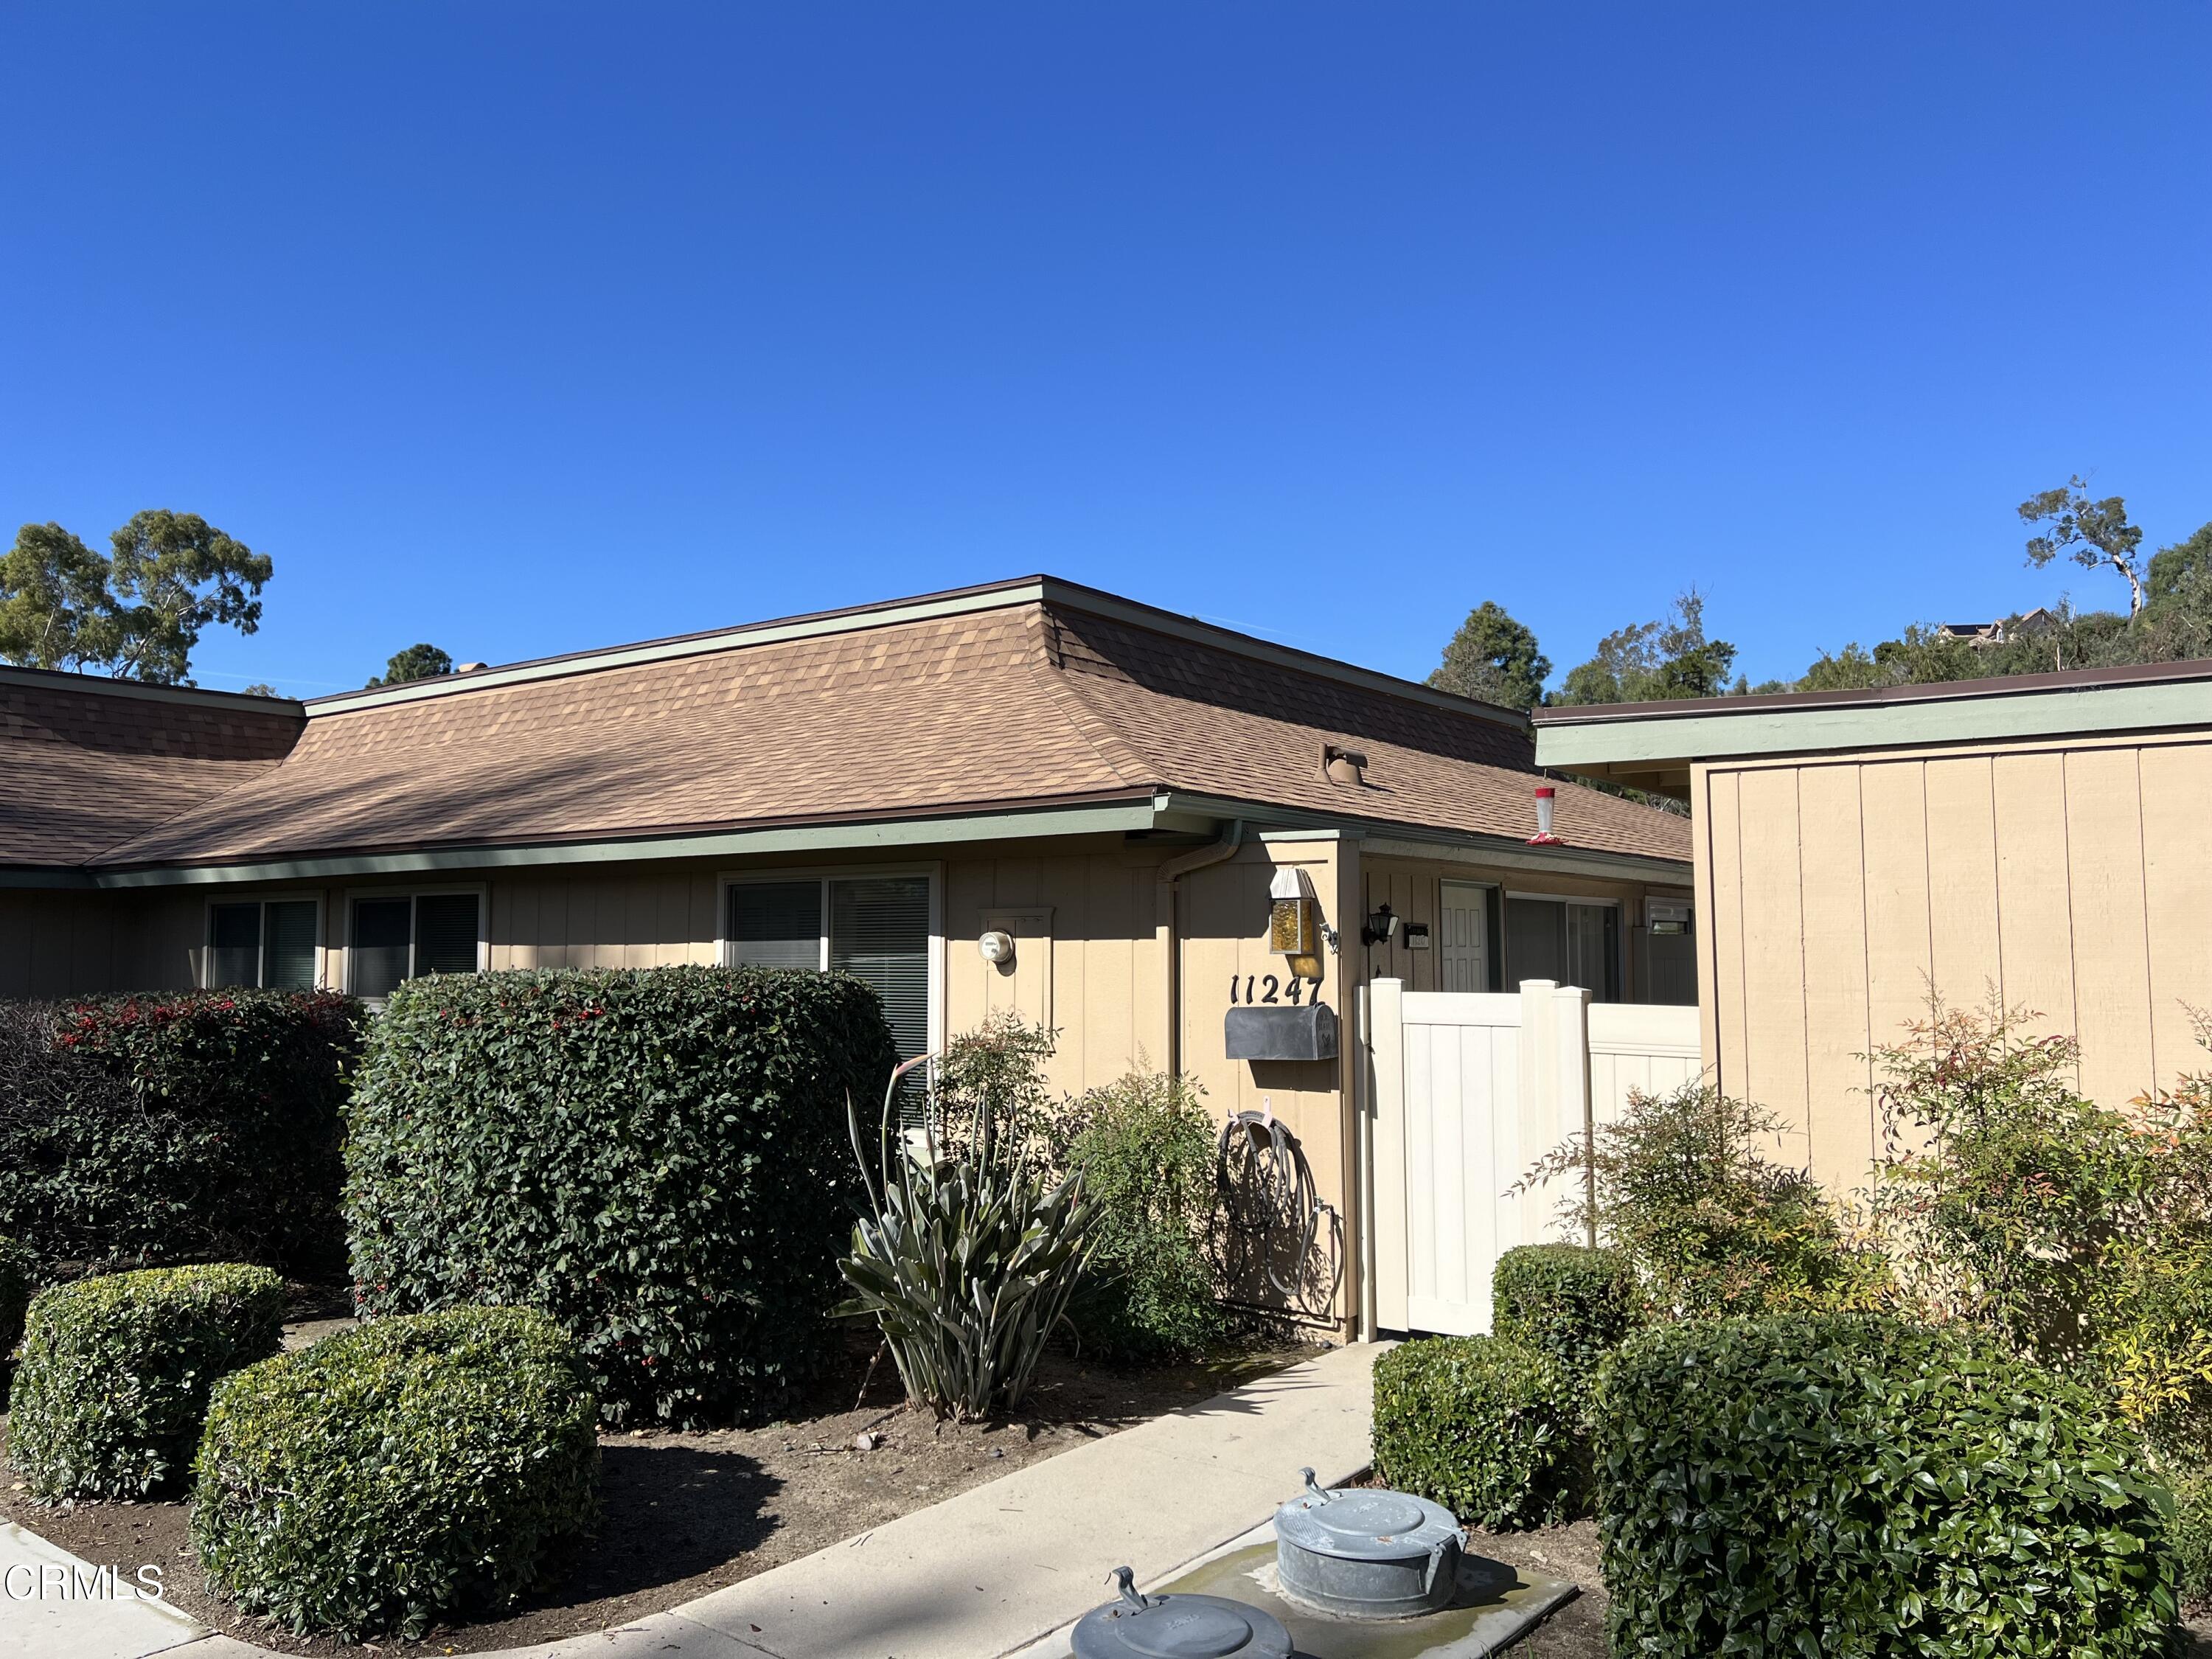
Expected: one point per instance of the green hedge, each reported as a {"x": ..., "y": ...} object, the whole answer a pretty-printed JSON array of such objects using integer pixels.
[
  {"x": 178, "y": 1127},
  {"x": 113, "y": 1384},
  {"x": 1850, "y": 1484},
  {"x": 393, "y": 1475},
  {"x": 18, "y": 1278},
  {"x": 1574, "y": 1304},
  {"x": 657, "y": 1159},
  {"x": 1483, "y": 1426}
]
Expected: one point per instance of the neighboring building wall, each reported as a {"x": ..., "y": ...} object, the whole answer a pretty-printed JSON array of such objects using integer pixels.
[{"x": 2072, "y": 879}]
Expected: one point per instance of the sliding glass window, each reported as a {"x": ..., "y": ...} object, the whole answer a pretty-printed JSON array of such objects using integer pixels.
[
  {"x": 874, "y": 928},
  {"x": 405, "y": 936},
  {"x": 270, "y": 943}
]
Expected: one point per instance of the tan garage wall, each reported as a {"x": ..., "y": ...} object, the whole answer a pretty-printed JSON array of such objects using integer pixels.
[{"x": 1835, "y": 894}]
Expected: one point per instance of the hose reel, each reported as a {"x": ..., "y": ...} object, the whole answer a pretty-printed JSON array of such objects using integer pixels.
[{"x": 1276, "y": 1231}]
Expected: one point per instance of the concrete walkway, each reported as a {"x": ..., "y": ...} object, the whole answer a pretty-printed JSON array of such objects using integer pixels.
[{"x": 984, "y": 1574}]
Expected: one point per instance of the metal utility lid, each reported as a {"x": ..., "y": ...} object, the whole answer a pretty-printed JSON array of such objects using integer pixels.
[
  {"x": 1177, "y": 1627},
  {"x": 1364, "y": 1525}
]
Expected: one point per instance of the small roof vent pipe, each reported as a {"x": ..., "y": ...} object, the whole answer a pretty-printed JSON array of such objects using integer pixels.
[
  {"x": 1345, "y": 766},
  {"x": 1544, "y": 838}
]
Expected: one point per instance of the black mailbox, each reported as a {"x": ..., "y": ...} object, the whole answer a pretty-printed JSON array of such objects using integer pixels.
[{"x": 1304, "y": 1032}]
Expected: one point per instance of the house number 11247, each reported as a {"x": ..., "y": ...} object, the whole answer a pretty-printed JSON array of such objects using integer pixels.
[{"x": 1264, "y": 988}]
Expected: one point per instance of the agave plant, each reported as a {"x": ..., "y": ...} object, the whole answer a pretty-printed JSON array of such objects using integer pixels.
[{"x": 967, "y": 1262}]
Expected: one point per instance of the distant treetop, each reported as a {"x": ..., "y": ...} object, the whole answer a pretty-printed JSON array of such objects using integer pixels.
[{"x": 417, "y": 662}]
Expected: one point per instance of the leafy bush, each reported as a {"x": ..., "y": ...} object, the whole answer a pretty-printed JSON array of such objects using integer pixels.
[
  {"x": 109, "y": 1399},
  {"x": 2190, "y": 1536},
  {"x": 1713, "y": 1227},
  {"x": 18, "y": 1276},
  {"x": 2076, "y": 1233},
  {"x": 1145, "y": 1147},
  {"x": 991, "y": 1099},
  {"x": 1575, "y": 1303},
  {"x": 966, "y": 1261},
  {"x": 391, "y": 1474},
  {"x": 1853, "y": 1485},
  {"x": 177, "y": 1128},
  {"x": 1484, "y": 1427},
  {"x": 656, "y": 1158}
]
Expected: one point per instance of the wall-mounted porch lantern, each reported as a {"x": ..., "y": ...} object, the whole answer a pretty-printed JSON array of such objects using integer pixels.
[{"x": 1381, "y": 925}]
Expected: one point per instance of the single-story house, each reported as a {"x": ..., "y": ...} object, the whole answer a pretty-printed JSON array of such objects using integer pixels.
[
  {"x": 2046, "y": 839},
  {"x": 1030, "y": 796}
]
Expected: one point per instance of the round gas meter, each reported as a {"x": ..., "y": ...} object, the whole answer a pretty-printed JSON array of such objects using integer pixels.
[
  {"x": 1369, "y": 1554},
  {"x": 996, "y": 946},
  {"x": 1177, "y": 1627}
]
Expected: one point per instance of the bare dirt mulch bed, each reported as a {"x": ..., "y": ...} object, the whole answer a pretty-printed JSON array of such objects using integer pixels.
[{"x": 686, "y": 1513}]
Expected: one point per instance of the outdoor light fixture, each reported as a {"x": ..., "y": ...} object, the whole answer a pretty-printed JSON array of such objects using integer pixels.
[
  {"x": 1293, "y": 914},
  {"x": 997, "y": 948},
  {"x": 1381, "y": 925}
]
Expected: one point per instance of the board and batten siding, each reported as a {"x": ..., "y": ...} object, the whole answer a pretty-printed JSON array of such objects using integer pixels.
[{"x": 1838, "y": 892}]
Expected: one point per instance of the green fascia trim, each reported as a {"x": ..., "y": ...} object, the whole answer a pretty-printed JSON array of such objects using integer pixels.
[
  {"x": 1559, "y": 860},
  {"x": 814, "y": 838},
  {"x": 25, "y": 877},
  {"x": 701, "y": 645},
  {"x": 1401, "y": 840},
  {"x": 2076, "y": 711}
]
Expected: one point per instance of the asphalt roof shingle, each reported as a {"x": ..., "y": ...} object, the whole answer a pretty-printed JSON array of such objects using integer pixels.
[{"x": 1028, "y": 702}]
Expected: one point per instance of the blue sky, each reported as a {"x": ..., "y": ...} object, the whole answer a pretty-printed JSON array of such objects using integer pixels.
[{"x": 522, "y": 328}]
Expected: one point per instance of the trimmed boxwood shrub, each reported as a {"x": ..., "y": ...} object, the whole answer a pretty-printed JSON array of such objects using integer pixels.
[
  {"x": 1573, "y": 1303},
  {"x": 397, "y": 1473},
  {"x": 189, "y": 1126},
  {"x": 113, "y": 1384},
  {"x": 659, "y": 1158},
  {"x": 18, "y": 1273},
  {"x": 1852, "y": 1484},
  {"x": 1483, "y": 1426}
]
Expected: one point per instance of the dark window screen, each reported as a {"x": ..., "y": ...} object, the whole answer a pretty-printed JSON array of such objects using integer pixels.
[
  {"x": 234, "y": 945},
  {"x": 381, "y": 930},
  {"x": 446, "y": 934},
  {"x": 776, "y": 924},
  {"x": 289, "y": 962}
]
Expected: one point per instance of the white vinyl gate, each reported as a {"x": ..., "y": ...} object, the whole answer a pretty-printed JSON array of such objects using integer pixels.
[{"x": 1469, "y": 1088}]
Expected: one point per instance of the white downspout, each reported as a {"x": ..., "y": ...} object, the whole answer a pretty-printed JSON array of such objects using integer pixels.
[{"x": 1170, "y": 873}]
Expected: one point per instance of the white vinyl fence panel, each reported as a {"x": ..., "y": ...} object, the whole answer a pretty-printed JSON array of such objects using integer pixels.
[{"x": 1468, "y": 1089}]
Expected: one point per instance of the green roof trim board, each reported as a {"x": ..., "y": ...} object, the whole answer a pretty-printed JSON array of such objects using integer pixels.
[{"x": 1620, "y": 738}]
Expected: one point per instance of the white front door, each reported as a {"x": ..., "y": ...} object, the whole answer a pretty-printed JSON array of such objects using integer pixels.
[{"x": 1463, "y": 953}]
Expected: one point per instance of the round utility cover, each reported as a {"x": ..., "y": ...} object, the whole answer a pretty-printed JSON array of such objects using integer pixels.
[
  {"x": 1180, "y": 1627},
  {"x": 1365, "y": 1525}
]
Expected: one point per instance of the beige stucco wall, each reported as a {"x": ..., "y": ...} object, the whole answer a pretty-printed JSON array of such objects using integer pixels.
[{"x": 2072, "y": 877}]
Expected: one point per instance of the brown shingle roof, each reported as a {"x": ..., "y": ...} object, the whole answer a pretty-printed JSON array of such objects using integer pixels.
[
  {"x": 84, "y": 765},
  {"x": 1212, "y": 721},
  {"x": 1027, "y": 701}
]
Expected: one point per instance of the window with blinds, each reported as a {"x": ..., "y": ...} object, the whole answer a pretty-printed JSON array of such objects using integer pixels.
[
  {"x": 874, "y": 928},
  {"x": 269, "y": 943},
  {"x": 776, "y": 924},
  {"x": 401, "y": 938},
  {"x": 879, "y": 931}
]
